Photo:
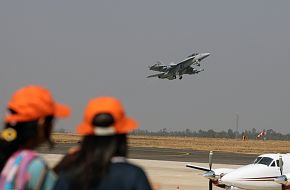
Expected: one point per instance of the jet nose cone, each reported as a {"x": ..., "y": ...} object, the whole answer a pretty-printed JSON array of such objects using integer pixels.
[
  {"x": 202, "y": 56},
  {"x": 206, "y": 55}
]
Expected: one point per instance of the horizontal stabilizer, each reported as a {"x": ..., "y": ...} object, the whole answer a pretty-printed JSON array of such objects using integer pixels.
[
  {"x": 197, "y": 167},
  {"x": 158, "y": 67}
]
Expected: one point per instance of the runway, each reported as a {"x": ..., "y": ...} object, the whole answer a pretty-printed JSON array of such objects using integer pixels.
[
  {"x": 166, "y": 167},
  {"x": 167, "y": 154},
  {"x": 167, "y": 175}
]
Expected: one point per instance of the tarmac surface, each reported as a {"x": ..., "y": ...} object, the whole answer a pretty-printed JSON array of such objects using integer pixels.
[
  {"x": 165, "y": 175},
  {"x": 165, "y": 167},
  {"x": 167, "y": 154}
]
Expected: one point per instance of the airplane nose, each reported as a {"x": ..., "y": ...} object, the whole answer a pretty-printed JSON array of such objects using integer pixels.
[
  {"x": 206, "y": 55},
  {"x": 228, "y": 180},
  {"x": 203, "y": 56}
]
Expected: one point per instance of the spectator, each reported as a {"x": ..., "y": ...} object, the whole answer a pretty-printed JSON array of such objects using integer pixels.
[
  {"x": 101, "y": 162},
  {"x": 29, "y": 122}
]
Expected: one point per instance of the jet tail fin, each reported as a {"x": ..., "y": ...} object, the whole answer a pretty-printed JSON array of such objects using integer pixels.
[{"x": 159, "y": 63}]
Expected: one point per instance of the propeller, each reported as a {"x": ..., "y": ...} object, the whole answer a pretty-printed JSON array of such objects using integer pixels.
[
  {"x": 210, "y": 159},
  {"x": 282, "y": 179},
  {"x": 210, "y": 174},
  {"x": 210, "y": 166}
]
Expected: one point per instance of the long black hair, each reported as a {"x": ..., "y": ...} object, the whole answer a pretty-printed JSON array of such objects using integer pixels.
[
  {"x": 91, "y": 163},
  {"x": 122, "y": 145},
  {"x": 25, "y": 132},
  {"x": 87, "y": 167}
]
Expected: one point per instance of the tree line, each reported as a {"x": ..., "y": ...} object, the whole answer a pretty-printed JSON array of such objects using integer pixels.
[{"x": 248, "y": 134}]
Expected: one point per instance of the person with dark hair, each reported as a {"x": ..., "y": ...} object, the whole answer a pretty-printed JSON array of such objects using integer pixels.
[
  {"x": 100, "y": 163},
  {"x": 28, "y": 123}
]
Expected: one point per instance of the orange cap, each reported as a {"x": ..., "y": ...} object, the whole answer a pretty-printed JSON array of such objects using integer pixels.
[
  {"x": 110, "y": 105},
  {"x": 34, "y": 102}
]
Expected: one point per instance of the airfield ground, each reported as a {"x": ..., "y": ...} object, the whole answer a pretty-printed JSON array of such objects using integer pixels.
[
  {"x": 197, "y": 144},
  {"x": 167, "y": 175},
  {"x": 164, "y": 158}
]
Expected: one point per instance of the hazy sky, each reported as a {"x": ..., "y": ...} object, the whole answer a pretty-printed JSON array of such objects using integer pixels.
[{"x": 83, "y": 49}]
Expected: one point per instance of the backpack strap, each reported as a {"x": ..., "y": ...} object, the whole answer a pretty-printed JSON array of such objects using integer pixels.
[
  {"x": 41, "y": 178},
  {"x": 23, "y": 176},
  {"x": 9, "y": 171},
  {"x": 15, "y": 170}
]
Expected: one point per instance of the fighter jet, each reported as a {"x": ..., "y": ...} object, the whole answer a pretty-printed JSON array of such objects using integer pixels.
[{"x": 184, "y": 67}]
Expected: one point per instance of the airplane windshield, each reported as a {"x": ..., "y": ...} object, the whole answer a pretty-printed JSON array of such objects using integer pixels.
[
  {"x": 194, "y": 54},
  {"x": 273, "y": 164},
  {"x": 257, "y": 160},
  {"x": 264, "y": 160}
]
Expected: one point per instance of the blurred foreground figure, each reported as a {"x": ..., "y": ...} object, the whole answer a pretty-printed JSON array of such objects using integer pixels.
[
  {"x": 101, "y": 163},
  {"x": 28, "y": 123}
]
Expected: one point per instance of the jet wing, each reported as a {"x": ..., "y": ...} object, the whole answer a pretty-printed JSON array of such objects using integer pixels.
[
  {"x": 180, "y": 66},
  {"x": 155, "y": 75}
]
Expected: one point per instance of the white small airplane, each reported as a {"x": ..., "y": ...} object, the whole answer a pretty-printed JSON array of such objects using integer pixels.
[{"x": 266, "y": 172}]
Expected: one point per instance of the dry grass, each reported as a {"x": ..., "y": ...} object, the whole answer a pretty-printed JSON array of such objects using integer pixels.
[
  {"x": 214, "y": 144},
  {"x": 66, "y": 137},
  {"x": 194, "y": 143}
]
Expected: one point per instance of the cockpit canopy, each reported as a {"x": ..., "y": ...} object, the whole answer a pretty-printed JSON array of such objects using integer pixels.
[
  {"x": 194, "y": 54},
  {"x": 267, "y": 161}
]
